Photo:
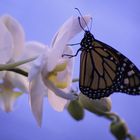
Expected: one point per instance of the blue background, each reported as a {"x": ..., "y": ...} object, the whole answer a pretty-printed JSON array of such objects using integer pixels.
[{"x": 115, "y": 22}]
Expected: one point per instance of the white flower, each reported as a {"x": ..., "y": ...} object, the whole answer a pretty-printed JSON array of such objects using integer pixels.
[
  {"x": 51, "y": 73},
  {"x": 13, "y": 49}
]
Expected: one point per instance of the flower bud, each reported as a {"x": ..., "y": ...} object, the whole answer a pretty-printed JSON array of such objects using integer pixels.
[
  {"x": 76, "y": 110},
  {"x": 95, "y": 106},
  {"x": 119, "y": 129}
]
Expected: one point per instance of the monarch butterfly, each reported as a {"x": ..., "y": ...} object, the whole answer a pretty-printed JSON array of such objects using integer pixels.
[{"x": 104, "y": 70}]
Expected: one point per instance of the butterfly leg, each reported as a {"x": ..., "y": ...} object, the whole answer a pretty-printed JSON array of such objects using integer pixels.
[
  {"x": 70, "y": 56},
  {"x": 73, "y": 44}
]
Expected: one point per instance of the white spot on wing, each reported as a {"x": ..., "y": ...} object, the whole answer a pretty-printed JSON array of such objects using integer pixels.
[{"x": 131, "y": 73}]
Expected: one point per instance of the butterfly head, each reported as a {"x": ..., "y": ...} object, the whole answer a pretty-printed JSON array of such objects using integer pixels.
[{"x": 87, "y": 41}]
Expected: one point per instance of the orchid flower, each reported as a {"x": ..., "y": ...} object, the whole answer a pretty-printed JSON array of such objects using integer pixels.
[
  {"x": 12, "y": 49},
  {"x": 51, "y": 74}
]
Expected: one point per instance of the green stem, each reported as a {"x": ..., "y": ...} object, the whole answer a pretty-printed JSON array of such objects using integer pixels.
[
  {"x": 13, "y": 65},
  {"x": 131, "y": 137},
  {"x": 19, "y": 71},
  {"x": 111, "y": 116}
]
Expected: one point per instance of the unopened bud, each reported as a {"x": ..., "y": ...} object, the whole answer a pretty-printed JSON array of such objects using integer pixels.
[
  {"x": 119, "y": 130},
  {"x": 76, "y": 110},
  {"x": 95, "y": 106}
]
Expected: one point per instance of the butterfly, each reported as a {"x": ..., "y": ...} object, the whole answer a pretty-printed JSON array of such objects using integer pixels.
[{"x": 104, "y": 70}]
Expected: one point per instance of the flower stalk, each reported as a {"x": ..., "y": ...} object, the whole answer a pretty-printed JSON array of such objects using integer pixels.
[{"x": 13, "y": 65}]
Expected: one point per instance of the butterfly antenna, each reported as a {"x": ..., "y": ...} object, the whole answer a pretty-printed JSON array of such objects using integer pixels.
[
  {"x": 80, "y": 24},
  {"x": 91, "y": 23},
  {"x": 82, "y": 18}
]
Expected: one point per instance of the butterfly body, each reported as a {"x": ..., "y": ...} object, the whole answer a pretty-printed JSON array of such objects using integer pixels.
[{"x": 104, "y": 70}]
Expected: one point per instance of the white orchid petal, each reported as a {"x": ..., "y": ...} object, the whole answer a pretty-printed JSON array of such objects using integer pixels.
[
  {"x": 37, "y": 65},
  {"x": 67, "y": 73},
  {"x": 33, "y": 72},
  {"x": 59, "y": 92},
  {"x": 31, "y": 50},
  {"x": 37, "y": 92},
  {"x": 2, "y": 74},
  {"x": 14, "y": 27},
  {"x": 6, "y": 44},
  {"x": 56, "y": 102},
  {"x": 18, "y": 81},
  {"x": 76, "y": 28},
  {"x": 68, "y": 30},
  {"x": 54, "y": 38},
  {"x": 7, "y": 100},
  {"x": 6, "y": 104}
]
